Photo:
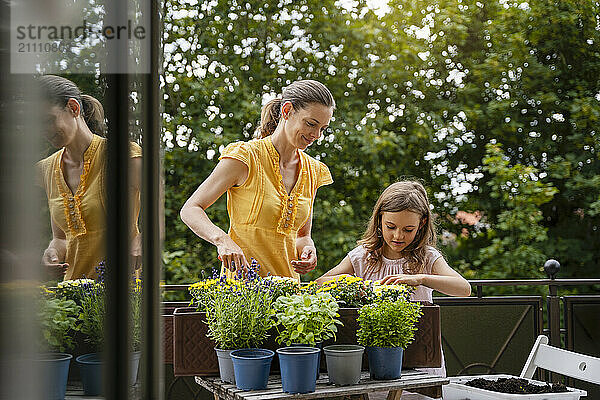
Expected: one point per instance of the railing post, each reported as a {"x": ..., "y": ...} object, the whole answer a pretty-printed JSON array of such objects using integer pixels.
[{"x": 552, "y": 267}]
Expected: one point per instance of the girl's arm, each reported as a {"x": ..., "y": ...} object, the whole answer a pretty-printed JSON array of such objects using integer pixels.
[
  {"x": 343, "y": 268},
  {"x": 228, "y": 173},
  {"x": 442, "y": 278}
]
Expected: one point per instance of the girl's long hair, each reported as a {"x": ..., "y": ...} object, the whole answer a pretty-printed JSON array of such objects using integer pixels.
[
  {"x": 401, "y": 196},
  {"x": 58, "y": 90},
  {"x": 300, "y": 94}
]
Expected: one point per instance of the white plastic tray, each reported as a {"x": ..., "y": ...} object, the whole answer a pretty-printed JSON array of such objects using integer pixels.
[{"x": 457, "y": 390}]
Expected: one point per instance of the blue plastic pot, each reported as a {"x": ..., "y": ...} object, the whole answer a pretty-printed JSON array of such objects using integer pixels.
[
  {"x": 385, "y": 362},
  {"x": 55, "y": 370},
  {"x": 251, "y": 368},
  {"x": 90, "y": 366},
  {"x": 299, "y": 367},
  {"x": 319, "y": 346}
]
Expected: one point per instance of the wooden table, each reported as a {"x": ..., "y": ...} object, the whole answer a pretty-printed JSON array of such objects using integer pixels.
[{"x": 410, "y": 380}]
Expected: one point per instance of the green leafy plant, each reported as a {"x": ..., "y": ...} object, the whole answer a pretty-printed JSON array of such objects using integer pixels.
[
  {"x": 388, "y": 323},
  {"x": 306, "y": 318},
  {"x": 239, "y": 315},
  {"x": 59, "y": 322}
]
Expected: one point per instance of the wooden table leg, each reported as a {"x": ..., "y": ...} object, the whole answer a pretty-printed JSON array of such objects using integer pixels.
[{"x": 394, "y": 395}]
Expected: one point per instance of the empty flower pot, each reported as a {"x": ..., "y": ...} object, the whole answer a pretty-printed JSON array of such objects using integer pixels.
[
  {"x": 343, "y": 363},
  {"x": 385, "y": 362},
  {"x": 298, "y": 368},
  {"x": 251, "y": 368},
  {"x": 90, "y": 366},
  {"x": 226, "y": 371}
]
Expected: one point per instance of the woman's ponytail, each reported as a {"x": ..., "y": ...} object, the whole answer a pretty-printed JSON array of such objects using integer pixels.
[
  {"x": 269, "y": 118},
  {"x": 93, "y": 114},
  {"x": 59, "y": 90},
  {"x": 300, "y": 94}
]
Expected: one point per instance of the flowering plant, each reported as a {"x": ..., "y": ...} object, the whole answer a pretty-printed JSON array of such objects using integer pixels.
[
  {"x": 388, "y": 323},
  {"x": 306, "y": 318},
  {"x": 92, "y": 295},
  {"x": 352, "y": 291},
  {"x": 71, "y": 289},
  {"x": 239, "y": 313}
]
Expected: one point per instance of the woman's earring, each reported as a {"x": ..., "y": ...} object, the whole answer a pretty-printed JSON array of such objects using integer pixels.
[{"x": 379, "y": 232}]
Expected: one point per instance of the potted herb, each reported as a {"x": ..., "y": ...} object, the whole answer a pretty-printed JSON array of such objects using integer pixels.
[
  {"x": 305, "y": 319},
  {"x": 92, "y": 297},
  {"x": 385, "y": 329},
  {"x": 239, "y": 315},
  {"x": 58, "y": 322}
]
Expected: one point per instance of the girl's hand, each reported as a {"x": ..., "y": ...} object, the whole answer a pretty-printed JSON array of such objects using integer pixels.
[
  {"x": 410, "y": 280},
  {"x": 231, "y": 255},
  {"x": 307, "y": 261}
]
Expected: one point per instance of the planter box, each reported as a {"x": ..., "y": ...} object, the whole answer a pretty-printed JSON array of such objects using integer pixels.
[
  {"x": 424, "y": 352},
  {"x": 168, "y": 308},
  {"x": 193, "y": 352},
  {"x": 457, "y": 390}
]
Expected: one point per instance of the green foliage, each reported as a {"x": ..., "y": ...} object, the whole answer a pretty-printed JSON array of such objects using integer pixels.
[
  {"x": 239, "y": 315},
  {"x": 409, "y": 105},
  {"x": 388, "y": 323},
  {"x": 306, "y": 318},
  {"x": 93, "y": 313},
  {"x": 58, "y": 320}
]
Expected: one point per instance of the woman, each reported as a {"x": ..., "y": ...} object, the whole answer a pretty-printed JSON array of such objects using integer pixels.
[
  {"x": 271, "y": 185},
  {"x": 74, "y": 180}
]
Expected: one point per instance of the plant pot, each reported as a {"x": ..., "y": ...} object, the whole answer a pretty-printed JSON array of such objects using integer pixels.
[
  {"x": 424, "y": 352},
  {"x": 225, "y": 365},
  {"x": 251, "y": 368},
  {"x": 344, "y": 362},
  {"x": 55, "y": 370},
  {"x": 90, "y": 366},
  {"x": 298, "y": 368},
  {"x": 319, "y": 346},
  {"x": 385, "y": 362}
]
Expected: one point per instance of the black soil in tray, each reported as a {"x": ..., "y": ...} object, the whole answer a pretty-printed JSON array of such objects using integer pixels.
[{"x": 515, "y": 386}]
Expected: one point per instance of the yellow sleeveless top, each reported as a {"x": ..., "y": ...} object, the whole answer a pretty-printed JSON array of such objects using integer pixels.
[
  {"x": 264, "y": 219},
  {"x": 82, "y": 215}
]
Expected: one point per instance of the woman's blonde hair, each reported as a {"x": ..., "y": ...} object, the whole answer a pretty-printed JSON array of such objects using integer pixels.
[
  {"x": 300, "y": 94},
  {"x": 401, "y": 196}
]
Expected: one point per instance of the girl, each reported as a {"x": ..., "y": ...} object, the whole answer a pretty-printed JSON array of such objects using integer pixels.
[
  {"x": 271, "y": 185},
  {"x": 399, "y": 247}
]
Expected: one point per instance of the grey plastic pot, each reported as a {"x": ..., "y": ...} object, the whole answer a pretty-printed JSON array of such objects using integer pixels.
[
  {"x": 225, "y": 365},
  {"x": 343, "y": 363}
]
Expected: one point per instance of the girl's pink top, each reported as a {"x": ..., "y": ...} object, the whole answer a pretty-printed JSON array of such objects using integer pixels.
[
  {"x": 358, "y": 258},
  {"x": 391, "y": 267}
]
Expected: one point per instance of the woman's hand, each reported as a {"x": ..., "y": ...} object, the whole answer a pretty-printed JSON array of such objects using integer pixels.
[
  {"x": 51, "y": 261},
  {"x": 136, "y": 252},
  {"x": 410, "y": 280},
  {"x": 230, "y": 254},
  {"x": 307, "y": 261}
]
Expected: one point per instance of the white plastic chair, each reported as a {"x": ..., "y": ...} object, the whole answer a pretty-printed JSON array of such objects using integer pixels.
[{"x": 564, "y": 362}]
